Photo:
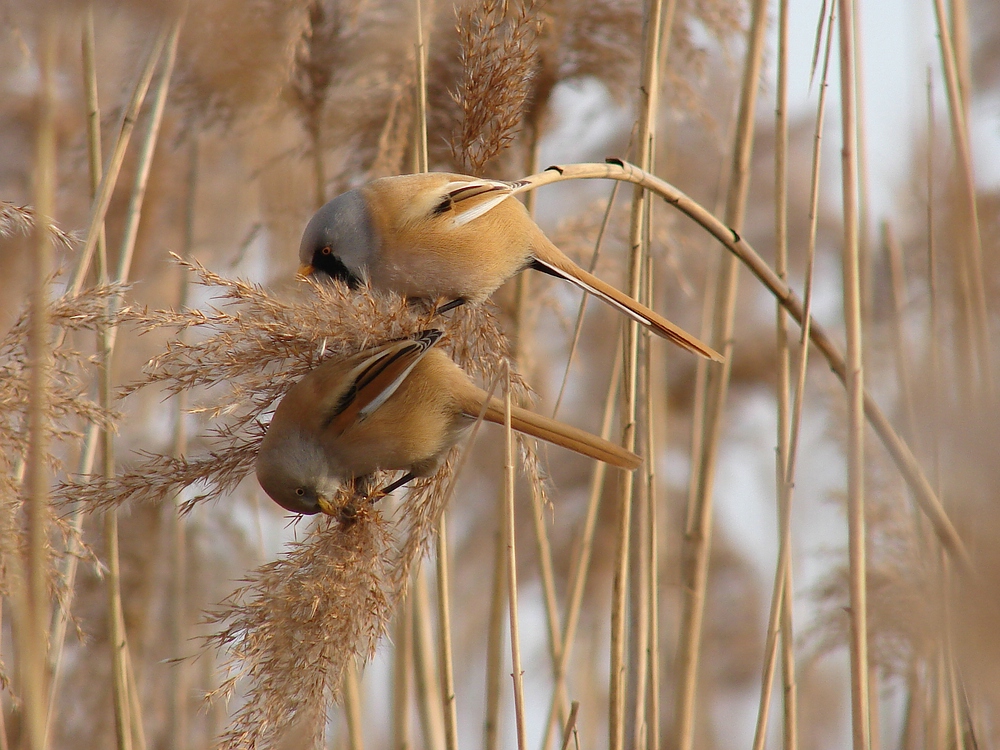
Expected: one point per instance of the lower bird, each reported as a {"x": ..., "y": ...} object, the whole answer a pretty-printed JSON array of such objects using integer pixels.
[
  {"x": 440, "y": 235},
  {"x": 396, "y": 407}
]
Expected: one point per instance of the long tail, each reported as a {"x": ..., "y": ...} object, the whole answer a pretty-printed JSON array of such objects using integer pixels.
[
  {"x": 549, "y": 259},
  {"x": 561, "y": 434}
]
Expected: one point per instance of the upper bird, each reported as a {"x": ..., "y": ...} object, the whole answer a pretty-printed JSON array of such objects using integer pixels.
[
  {"x": 399, "y": 406},
  {"x": 440, "y": 235}
]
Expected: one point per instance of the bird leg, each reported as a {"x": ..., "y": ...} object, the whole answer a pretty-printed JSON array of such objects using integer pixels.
[
  {"x": 407, "y": 477},
  {"x": 447, "y": 306}
]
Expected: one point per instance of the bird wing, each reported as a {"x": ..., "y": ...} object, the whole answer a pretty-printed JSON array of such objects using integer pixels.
[
  {"x": 468, "y": 199},
  {"x": 376, "y": 378}
]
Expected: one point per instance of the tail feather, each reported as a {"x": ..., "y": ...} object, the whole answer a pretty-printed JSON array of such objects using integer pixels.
[
  {"x": 564, "y": 435},
  {"x": 552, "y": 261}
]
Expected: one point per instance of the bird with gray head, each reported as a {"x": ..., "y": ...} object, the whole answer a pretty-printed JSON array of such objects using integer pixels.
[
  {"x": 396, "y": 407},
  {"x": 450, "y": 238}
]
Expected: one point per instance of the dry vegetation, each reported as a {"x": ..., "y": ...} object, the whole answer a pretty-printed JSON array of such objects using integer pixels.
[{"x": 154, "y": 597}]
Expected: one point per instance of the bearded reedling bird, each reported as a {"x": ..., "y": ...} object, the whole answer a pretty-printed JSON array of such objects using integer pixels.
[
  {"x": 400, "y": 406},
  {"x": 438, "y": 235}
]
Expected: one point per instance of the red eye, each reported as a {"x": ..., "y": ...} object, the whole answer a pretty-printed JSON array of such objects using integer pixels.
[{"x": 327, "y": 250}]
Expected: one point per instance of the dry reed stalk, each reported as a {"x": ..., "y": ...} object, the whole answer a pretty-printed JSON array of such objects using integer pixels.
[
  {"x": 100, "y": 186},
  {"x": 806, "y": 320},
  {"x": 423, "y": 162},
  {"x": 546, "y": 574},
  {"x": 402, "y": 682},
  {"x": 60, "y": 618},
  {"x": 874, "y": 719},
  {"x": 651, "y": 697},
  {"x": 509, "y": 527},
  {"x": 780, "y": 615},
  {"x": 569, "y": 731},
  {"x": 521, "y": 353},
  {"x": 428, "y": 687},
  {"x": 180, "y": 681},
  {"x": 124, "y": 722},
  {"x": 790, "y": 732},
  {"x": 654, "y": 16},
  {"x": 180, "y": 677},
  {"x": 932, "y": 279},
  {"x": 494, "y": 634},
  {"x": 498, "y": 57},
  {"x": 971, "y": 258},
  {"x": 638, "y": 393},
  {"x": 698, "y": 533},
  {"x": 109, "y": 178},
  {"x": 645, "y": 555},
  {"x": 898, "y": 449},
  {"x": 648, "y": 695},
  {"x": 128, "y": 716},
  {"x": 144, "y": 160},
  {"x": 443, "y": 577},
  {"x": 434, "y": 709},
  {"x": 857, "y": 538},
  {"x": 866, "y": 260},
  {"x": 959, "y": 29},
  {"x": 32, "y": 633},
  {"x": 581, "y": 562},
  {"x": 4, "y": 745},
  {"x": 352, "y": 707}
]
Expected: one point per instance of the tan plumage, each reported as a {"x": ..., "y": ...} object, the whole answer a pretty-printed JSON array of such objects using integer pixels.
[
  {"x": 441, "y": 235},
  {"x": 400, "y": 406}
]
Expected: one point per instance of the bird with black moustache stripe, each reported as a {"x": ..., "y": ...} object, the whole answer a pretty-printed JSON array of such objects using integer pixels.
[{"x": 440, "y": 235}]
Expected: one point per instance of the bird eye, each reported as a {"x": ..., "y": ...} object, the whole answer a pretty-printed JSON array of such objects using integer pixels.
[
  {"x": 300, "y": 491},
  {"x": 326, "y": 250}
]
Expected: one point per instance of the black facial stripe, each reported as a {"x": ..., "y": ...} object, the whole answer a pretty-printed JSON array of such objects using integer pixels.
[{"x": 333, "y": 267}]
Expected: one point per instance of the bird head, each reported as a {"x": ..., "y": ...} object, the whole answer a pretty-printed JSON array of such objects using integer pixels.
[
  {"x": 339, "y": 240},
  {"x": 295, "y": 473}
]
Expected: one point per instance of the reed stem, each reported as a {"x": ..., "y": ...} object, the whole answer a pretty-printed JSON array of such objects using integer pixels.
[
  {"x": 898, "y": 449},
  {"x": 698, "y": 534},
  {"x": 32, "y": 635},
  {"x": 858, "y": 614},
  {"x": 509, "y": 526},
  {"x": 443, "y": 577}
]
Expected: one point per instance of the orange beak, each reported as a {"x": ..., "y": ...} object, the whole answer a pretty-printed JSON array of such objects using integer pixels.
[
  {"x": 305, "y": 271},
  {"x": 327, "y": 507}
]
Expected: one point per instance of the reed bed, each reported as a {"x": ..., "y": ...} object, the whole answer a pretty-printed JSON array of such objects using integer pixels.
[{"x": 160, "y": 162}]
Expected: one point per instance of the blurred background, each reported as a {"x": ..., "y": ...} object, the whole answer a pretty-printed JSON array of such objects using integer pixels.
[{"x": 259, "y": 111}]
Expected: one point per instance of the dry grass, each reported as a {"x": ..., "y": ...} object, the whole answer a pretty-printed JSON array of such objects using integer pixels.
[
  {"x": 275, "y": 106},
  {"x": 498, "y": 58}
]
